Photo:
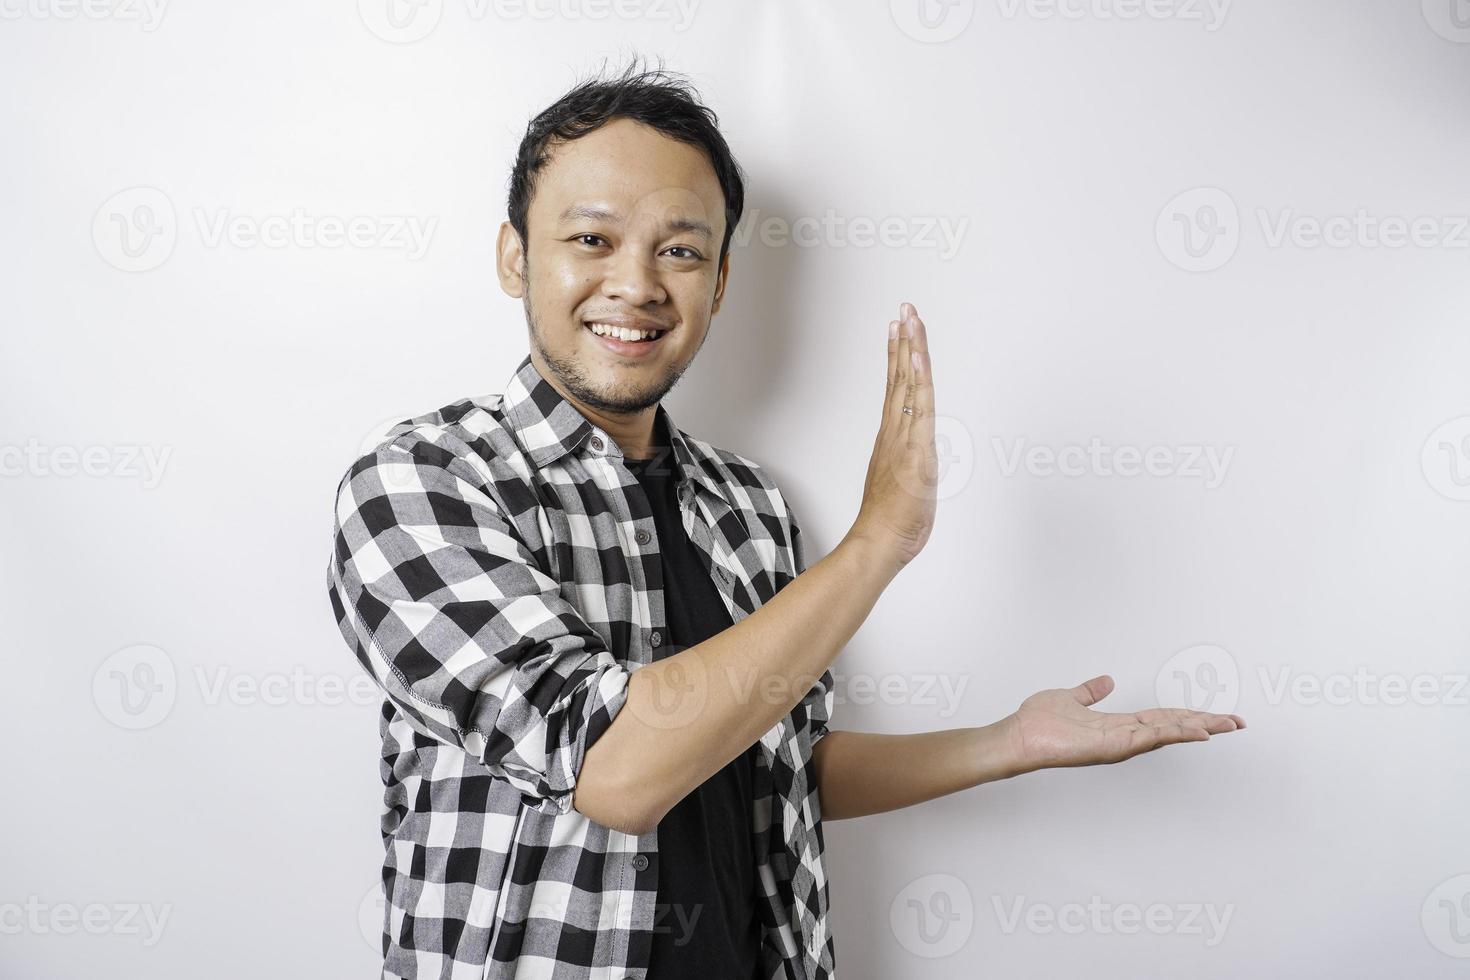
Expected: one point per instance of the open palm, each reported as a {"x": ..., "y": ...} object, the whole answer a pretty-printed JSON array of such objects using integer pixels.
[{"x": 1057, "y": 727}]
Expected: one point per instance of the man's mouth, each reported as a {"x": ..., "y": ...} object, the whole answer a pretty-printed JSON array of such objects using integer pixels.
[{"x": 627, "y": 341}]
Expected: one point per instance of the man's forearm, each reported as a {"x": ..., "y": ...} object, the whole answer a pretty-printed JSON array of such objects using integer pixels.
[
  {"x": 861, "y": 773},
  {"x": 686, "y": 716}
]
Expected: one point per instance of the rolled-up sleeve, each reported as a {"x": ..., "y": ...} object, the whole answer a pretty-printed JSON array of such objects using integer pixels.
[{"x": 445, "y": 606}]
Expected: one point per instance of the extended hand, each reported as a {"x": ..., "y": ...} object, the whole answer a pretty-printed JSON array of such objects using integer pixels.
[{"x": 1057, "y": 728}]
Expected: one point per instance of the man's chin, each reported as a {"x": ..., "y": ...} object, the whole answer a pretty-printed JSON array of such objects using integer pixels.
[{"x": 618, "y": 397}]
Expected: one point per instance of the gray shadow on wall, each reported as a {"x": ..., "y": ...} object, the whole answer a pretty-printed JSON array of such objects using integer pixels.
[{"x": 727, "y": 395}]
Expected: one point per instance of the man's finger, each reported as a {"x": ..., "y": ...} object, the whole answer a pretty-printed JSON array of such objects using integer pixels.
[
  {"x": 902, "y": 374},
  {"x": 921, "y": 390},
  {"x": 1094, "y": 690}
]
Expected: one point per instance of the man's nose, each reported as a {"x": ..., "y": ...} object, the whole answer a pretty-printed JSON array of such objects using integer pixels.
[{"x": 633, "y": 278}]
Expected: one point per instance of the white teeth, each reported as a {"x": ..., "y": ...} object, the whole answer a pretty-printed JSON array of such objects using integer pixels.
[{"x": 621, "y": 333}]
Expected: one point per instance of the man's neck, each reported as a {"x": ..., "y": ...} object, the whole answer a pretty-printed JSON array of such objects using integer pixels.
[
  {"x": 635, "y": 434},
  {"x": 632, "y": 431},
  {"x": 650, "y": 446}
]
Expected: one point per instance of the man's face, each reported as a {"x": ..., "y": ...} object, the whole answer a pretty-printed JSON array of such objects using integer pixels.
[{"x": 624, "y": 225}]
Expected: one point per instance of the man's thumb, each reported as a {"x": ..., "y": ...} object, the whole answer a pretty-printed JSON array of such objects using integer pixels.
[{"x": 1094, "y": 690}]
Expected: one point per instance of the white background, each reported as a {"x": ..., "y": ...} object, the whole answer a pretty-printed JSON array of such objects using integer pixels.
[{"x": 1329, "y": 555}]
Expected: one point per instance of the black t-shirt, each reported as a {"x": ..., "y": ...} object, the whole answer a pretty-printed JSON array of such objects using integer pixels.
[{"x": 705, "y": 923}]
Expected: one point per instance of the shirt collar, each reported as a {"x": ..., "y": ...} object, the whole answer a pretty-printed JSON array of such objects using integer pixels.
[{"x": 548, "y": 426}]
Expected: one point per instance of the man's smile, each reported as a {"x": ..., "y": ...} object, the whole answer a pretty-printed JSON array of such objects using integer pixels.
[{"x": 627, "y": 336}]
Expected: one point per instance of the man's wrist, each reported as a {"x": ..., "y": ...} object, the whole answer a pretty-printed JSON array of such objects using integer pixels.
[
  {"x": 995, "y": 751},
  {"x": 871, "y": 553}
]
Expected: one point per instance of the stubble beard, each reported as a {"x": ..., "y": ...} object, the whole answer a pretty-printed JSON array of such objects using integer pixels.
[{"x": 622, "y": 400}]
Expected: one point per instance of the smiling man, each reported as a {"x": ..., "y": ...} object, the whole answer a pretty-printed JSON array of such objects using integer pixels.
[{"x": 604, "y": 657}]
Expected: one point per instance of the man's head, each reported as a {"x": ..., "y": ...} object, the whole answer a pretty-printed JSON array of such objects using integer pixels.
[{"x": 622, "y": 203}]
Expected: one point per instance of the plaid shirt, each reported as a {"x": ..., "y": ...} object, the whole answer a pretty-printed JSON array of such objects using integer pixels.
[{"x": 488, "y": 571}]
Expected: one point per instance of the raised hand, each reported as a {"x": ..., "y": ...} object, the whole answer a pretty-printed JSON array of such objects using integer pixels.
[
  {"x": 1057, "y": 727},
  {"x": 900, "y": 491}
]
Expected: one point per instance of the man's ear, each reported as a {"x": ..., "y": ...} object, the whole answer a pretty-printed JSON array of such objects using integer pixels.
[
  {"x": 720, "y": 281},
  {"x": 510, "y": 259}
]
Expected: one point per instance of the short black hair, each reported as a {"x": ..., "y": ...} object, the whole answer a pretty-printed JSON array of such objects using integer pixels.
[{"x": 667, "y": 101}]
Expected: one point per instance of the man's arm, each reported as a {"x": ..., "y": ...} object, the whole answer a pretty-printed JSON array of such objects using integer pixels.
[
  {"x": 861, "y": 773},
  {"x": 444, "y": 605},
  {"x": 686, "y": 716}
]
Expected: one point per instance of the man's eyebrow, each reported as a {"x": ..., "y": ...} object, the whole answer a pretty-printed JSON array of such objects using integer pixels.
[{"x": 591, "y": 212}]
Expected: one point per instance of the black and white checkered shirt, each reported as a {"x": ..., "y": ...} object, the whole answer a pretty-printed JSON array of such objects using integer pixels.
[{"x": 489, "y": 571}]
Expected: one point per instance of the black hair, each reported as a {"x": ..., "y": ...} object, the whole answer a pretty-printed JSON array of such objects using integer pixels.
[{"x": 663, "y": 100}]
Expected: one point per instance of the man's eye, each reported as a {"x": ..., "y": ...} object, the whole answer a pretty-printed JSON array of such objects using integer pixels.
[
  {"x": 691, "y": 254},
  {"x": 589, "y": 235}
]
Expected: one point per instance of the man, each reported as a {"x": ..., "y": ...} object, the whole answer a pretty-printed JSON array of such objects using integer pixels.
[{"x": 603, "y": 655}]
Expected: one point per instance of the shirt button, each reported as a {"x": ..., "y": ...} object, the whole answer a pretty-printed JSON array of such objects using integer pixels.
[
  {"x": 640, "y": 862},
  {"x": 597, "y": 443},
  {"x": 641, "y": 536},
  {"x": 656, "y": 638}
]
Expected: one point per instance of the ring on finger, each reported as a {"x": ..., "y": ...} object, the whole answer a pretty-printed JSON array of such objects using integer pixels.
[{"x": 908, "y": 410}]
